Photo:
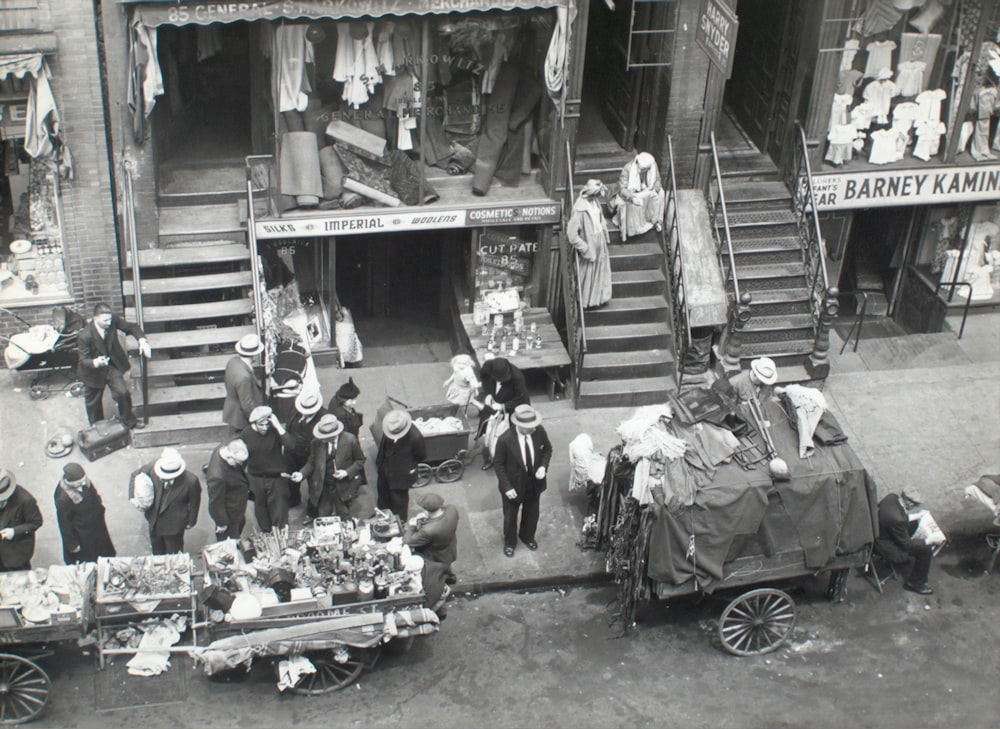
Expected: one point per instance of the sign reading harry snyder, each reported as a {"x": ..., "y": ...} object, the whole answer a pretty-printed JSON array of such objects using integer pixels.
[
  {"x": 888, "y": 188},
  {"x": 716, "y": 34},
  {"x": 391, "y": 220}
]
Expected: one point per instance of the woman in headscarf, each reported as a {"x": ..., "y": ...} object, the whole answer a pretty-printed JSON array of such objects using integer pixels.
[
  {"x": 640, "y": 200},
  {"x": 80, "y": 512},
  {"x": 588, "y": 234}
]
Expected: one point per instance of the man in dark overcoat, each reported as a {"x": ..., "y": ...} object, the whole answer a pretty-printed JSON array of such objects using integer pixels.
[
  {"x": 80, "y": 512},
  {"x": 334, "y": 468},
  {"x": 896, "y": 543},
  {"x": 503, "y": 389},
  {"x": 103, "y": 363},
  {"x": 243, "y": 389},
  {"x": 228, "y": 488},
  {"x": 433, "y": 535},
  {"x": 19, "y": 520},
  {"x": 400, "y": 450},
  {"x": 521, "y": 463},
  {"x": 176, "y": 498}
]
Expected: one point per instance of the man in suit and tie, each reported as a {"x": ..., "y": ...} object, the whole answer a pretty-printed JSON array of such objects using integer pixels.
[
  {"x": 334, "y": 468},
  {"x": 103, "y": 363},
  {"x": 521, "y": 462},
  {"x": 243, "y": 389},
  {"x": 169, "y": 496}
]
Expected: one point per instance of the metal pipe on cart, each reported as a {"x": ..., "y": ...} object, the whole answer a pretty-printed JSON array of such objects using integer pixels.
[{"x": 776, "y": 466}]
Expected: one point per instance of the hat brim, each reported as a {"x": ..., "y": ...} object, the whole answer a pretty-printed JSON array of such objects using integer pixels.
[
  {"x": 327, "y": 436},
  {"x": 55, "y": 448},
  {"x": 309, "y": 411},
  {"x": 533, "y": 423},
  {"x": 166, "y": 476}
]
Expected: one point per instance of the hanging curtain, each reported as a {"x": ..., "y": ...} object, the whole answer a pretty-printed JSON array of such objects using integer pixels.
[
  {"x": 42, "y": 122},
  {"x": 145, "y": 81}
]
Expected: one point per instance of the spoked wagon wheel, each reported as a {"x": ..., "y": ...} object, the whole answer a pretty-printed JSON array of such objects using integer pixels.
[
  {"x": 37, "y": 392},
  {"x": 425, "y": 474},
  {"x": 450, "y": 471},
  {"x": 24, "y": 689},
  {"x": 330, "y": 675},
  {"x": 77, "y": 389},
  {"x": 757, "y": 622}
]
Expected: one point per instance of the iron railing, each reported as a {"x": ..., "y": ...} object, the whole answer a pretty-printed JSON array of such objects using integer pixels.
[
  {"x": 807, "y": 218},
  {"x": 132, "y": 241},
  {"x": 952, "y": 285},
  {"x": 259, "y": 169},
  {"x": 676, "y": 281},
  {"x": 576, "y": 332}
]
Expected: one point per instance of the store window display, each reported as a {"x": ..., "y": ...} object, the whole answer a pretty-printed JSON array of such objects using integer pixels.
[{"x": 961, "y": 245}]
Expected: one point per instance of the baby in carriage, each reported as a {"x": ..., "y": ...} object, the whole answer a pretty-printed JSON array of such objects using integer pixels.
[{"x": 461, "y": 386}]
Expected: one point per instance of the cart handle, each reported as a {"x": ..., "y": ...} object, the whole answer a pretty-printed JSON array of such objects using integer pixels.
[
  {"x": 393, "y": 401},
  {"x": 8, "y": 311}
]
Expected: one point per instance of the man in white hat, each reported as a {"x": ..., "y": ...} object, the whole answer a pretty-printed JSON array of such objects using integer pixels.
[
  {"x": 269, "y": 467},
  {"x": 758, "y": 381},
  {"x": 521, "y": 462},
  {"x": 334, "y": 469},
  {"x": 176, "y": 500},
  {"x": 228, "y": 488},
  {"x": 400, "y": 451},
  {"x": 309, "y": 411},
  {"x": 243, "y": 388},
  {"x": 19, "y": 520},
  {"x": 896, "y": 543}
]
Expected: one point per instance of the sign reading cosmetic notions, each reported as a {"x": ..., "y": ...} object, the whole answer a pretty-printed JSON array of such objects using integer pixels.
[{"x": 894, "y": 188}]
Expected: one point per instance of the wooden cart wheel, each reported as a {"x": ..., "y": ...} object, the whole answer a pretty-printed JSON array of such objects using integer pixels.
[
  {"x": 37, "y": 392},
  {"x": 425, "y": 474},
  {"x": 450, "y": 471},
  {"x": 24, "y": 689},
  {"x": 77, "y": 389},
  {"x": 757, "y": 622},
  {"x": 330, "y": 675}
]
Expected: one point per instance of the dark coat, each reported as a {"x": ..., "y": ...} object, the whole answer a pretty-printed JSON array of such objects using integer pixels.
[
  {"x": 83, "y": 527},
  {"x": 347, "y": 456},
  {"x": 436, "y": 539},
  {"x": 89, "y": 345},
  {"x": 227, "y": 488},
  {"x": 509, "y": 463},
  {"x": 894, "y": 530},
  {"x": 243, "y": 394},
  {"x": 22, "y": 515},
  {"x": 397, "y": 460},
  {"x": 174, "y": 511},
  {"x": 302, "y": 429},
  {"x": 513, "y": 390},
  {"x": 351, "y": 419}
]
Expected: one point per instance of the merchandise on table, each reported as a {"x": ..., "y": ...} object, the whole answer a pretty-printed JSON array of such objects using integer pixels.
[
  {"x": 335, "y": 562},
  {"x": 148, "y": 577},
  {"x": 58, "y": 594}
]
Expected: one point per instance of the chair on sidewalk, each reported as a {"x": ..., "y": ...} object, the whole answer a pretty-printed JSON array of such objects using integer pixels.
[
  {"x": 878, "y": 570},
  {"x": 993, "y": 540}
]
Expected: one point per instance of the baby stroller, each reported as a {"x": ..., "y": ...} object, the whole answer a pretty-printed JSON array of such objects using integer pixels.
[{"x": 44, "y": 350}]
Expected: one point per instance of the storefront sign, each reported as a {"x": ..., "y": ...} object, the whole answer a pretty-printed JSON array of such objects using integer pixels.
[
  {"x": 506, "y": 252},
  {"x": 390, "y": 220},
  {"x": 154, "y": 13},
  {"x": 890, "y": 188},
  {"x": 716, "y": 34}
]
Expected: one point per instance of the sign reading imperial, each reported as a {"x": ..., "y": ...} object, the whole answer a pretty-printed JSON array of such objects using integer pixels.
[
  {"x": 389, "y": 220},
  {"x": 888, "y": 188}
]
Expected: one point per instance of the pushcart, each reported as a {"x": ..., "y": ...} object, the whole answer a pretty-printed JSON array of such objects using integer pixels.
[
  {"x": 447, "y": 452},
  {"x": 45, "y": 351},
  {"x": 24, "y": 684},
  {"x": 743, "y": 532}
]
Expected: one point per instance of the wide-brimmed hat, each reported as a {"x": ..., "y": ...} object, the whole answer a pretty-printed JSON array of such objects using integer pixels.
[
  {"x": 259, "y": 413},
  {"x": 308, "y": 403},
  {"x": 169, "y": 465},
  {"x": 329, "y": 426},
  {"x": 593, "y": 188},
  {"x": 348, "y": 390},
  {"x": 526, "y": 416},
  {"x": 59, "y": 445},
  {"x": 430, "y": 501},
  {"x": 7, "y": 483},
  {"x": 396, "y": 424},
  {"x": 249, "y": 345},
  {"x": 73, "y": 473},
  {"x": 765, "y": 370}
]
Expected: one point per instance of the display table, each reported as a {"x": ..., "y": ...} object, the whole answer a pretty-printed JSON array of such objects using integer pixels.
[{"x": 550, "y": 357}]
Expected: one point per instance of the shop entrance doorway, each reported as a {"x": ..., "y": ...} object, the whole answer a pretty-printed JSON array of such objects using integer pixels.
[{"x": 397, "y": 286}]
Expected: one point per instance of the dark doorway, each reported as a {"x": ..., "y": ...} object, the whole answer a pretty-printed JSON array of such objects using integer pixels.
[{"x": 874, "y": 254}]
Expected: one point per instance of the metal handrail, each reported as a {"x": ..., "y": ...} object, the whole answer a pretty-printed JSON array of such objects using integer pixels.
[
  {"x": 255, "y": 263},
  {"x": 132, "y": 238},
  {"x": 675, "y": 265},
  {"x": 576, "y": 262},
  {"x": 811, "y": 236},
  {"x": 859, "y": 320},
  {"x": 968, "y": 300},
  {"x": 725, "y": 223}
]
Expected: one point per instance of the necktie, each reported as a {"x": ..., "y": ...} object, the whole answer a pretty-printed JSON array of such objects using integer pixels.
[{"x": 528, "y": 455}]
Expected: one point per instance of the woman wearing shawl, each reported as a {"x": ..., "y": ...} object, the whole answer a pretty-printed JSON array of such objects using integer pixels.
[
  {"x": 639, "y": 203},
  {"x": 80, "y": 512},
  {"x": 588, "y": 234}
]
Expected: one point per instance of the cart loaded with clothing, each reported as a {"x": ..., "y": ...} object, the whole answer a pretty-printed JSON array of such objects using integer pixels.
[{"x": 692, "y": 503}]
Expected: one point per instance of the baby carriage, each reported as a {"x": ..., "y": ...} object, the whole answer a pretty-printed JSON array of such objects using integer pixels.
[{"x": 44, "y": 350}]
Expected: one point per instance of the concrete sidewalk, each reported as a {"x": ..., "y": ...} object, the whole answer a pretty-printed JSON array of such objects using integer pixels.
[{"x": 919, "y": 410}]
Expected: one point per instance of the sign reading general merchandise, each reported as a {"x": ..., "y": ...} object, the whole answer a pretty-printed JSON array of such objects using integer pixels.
[
  {"x": 889, "y": 188},
  {"x": 716, "y": 34},
  {"x": 389, "y": 220}
]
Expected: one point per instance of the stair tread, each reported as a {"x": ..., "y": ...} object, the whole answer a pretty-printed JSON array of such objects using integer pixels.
[
  {"x": 184, "y": 365},
  {"x": 777, "y": 349},
  {"x": 193, "y": 255},
  {"x": 642, "y": 356},
  {"x": 760, "y": 217},
  {"x": 744, "y": 191},
  {"x": 200, "y": 219},
  {"x": 193, "y": 337},
  {"x": 641, "y": 275},
  {"x": 636, "y": 384},
  {"x": 779, "y": 321},
  {"x": 754, "y": 244},
  {"x": 630, "y": 303},
  {"x": 611, "y": 331},
  {"x": 187, "y": 393},
  {"x": 623, "y": 250},
  {"x": 779, "y": 296},
  {"x": 207, "y": 310},
  {"x": 771, "y": 270},
  {"x": 173, "y": 284}
]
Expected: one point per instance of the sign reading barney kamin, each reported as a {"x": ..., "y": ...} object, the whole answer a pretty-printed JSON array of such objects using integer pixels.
[{"x": 503, "y": 259}]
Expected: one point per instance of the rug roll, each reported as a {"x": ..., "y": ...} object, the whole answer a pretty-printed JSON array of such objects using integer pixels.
[
  {"x": 300, "y": 168},
  {"x": 333, "y": 172}
]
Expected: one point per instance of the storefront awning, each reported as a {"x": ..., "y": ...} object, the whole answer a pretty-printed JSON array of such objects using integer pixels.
[
  {"x": 20, "y": 65},
  {"x": 153, "y": 13}
]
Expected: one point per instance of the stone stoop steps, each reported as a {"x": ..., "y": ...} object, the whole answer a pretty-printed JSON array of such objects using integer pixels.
[{"x": 197, "y": 302}]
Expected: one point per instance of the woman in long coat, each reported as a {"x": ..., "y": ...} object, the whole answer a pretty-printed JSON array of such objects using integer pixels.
[
  {"x": 588, "y": 234},
  {"x": 80, "y": 512}
]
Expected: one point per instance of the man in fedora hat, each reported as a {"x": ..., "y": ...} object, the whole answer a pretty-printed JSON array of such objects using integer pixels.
[
  {"x": 308, "y": 412},
  {"x": 343, "y": 404},
  {"x": 503, "y": 390},
  {"x": 896, "y": 543},
  {"x": 521, "y": 463},
  {"x": 334, "y": 468},
  {"x": 103, "y": 363},
  {"x": 269, "y": 468},
  {"x": 19, "y": 520},
  {"x": 228, "y": 488},
  {"x": 243, "y": 389},
  {"x": 433, "y": 535},
  {"x": 757, "y": 382},
  {"x": 80, "y": 513},
  {"x": 175, "y": 503},
  {"x": 400, "y": 451}
]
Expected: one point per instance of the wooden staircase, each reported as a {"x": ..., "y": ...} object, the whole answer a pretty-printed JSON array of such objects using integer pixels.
[
  {"x": 197, "y": 301},
  {"x": 769, "y": 266}
]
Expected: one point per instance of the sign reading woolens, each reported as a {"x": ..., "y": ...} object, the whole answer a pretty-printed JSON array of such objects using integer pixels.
[
  {"x": 390, "y": 220},
  {"x": 891, "y": 188}
]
